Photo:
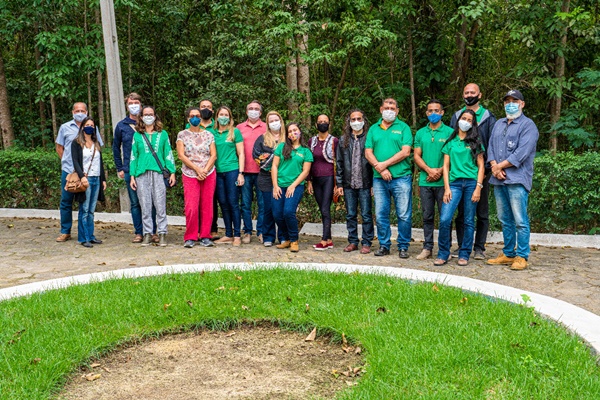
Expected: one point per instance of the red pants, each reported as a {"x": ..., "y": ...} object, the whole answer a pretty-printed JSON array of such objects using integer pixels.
[{"x": 198, "y": 198}]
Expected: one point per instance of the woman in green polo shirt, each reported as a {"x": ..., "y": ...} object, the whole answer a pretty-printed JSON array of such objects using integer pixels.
[
  {"x": 463, "y": 173},
  {"x": 291, "y": 165},
  {"x": 230, "y": 174}
]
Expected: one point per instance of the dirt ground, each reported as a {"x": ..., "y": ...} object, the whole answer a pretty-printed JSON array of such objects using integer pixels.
[{"x": 247, "y": 363}]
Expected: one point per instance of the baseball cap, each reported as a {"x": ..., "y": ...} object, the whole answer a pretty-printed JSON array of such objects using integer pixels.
[{"x": 514, "y": 94}]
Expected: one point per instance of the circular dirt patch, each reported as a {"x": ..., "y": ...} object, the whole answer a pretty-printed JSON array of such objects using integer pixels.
[{"x": 247, "y": 363}]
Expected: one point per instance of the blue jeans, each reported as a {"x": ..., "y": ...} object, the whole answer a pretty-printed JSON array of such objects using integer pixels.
[
  {"x": 284, "y": 212},
  {"x": 228, "y": 195},
  {"x": 268, "y": 223},
  {"x": 136, "y": 210},
  {"x": 461, "y": 188},
  {"x": 66, "y": 206},
  {"x": 247, "y": 195},
  {"x": 511, "y": 203},
  {"x": 85, "y": 220},
  {"x": 400, "y": 189},
  {"x": 353, "y": 197}
]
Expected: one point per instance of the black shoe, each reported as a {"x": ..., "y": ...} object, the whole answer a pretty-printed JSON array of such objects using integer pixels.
[
  {"x": 96, "y": 241},
  {"x": 382, "y": 251},
  {"x": 206, "y": 242},
  {"x": 86, "y": 244},
  {"x": 403, "y": 253}
]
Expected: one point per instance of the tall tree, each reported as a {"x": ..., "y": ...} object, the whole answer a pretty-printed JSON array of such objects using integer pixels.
[{"x": 6, "y": 128}]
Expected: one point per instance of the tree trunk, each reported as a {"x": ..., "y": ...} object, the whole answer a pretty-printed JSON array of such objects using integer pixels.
[
  {"x": 339, "y": 88},
  {"x": 41, "y": 104},
  {"x": 560, "y": 76},
  {"x": 53, "y": 111},
  {"x": 8, "y": 135},
  {"x": 129, "y": 49},
  {"x": 411, "y": 74},
  {"x": 108, "y": 121},
  {"x": 101, "y": 104},
  {"x": 291, "y": 79},
  {"x": 304, "y": 79}
]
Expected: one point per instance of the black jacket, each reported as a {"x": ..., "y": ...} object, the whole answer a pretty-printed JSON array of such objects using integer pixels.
[
  {"x": 343, "y": 159},
  {"x": 77, "y": 154}
]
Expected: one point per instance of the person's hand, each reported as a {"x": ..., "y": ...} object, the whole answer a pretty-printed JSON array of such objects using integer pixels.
[
  {"x": 240, "y": 180},
  {"x": 386, "y": 175},
  {"x": 380, "y": 167},
  {"x": 339, "y": 191},
  {"x": 201, "y": 174},
  {"x": 498, "y": 172},
  {"x": 132, "y": 183},
  {"x": 434, "y": 174},
  {"x": 290, "y": 191},
  {"x": 84, "y": 180},
  {"x": 309, "y": 187},
  {"x": 276, "y": 192},
  {"x": 121, "y": 174},
  {"x": 172, "y": 180},
  {"x": 104, "y": 185},
  {"x": 476, "y": 195},
  {"x": 447, "y": 196}
]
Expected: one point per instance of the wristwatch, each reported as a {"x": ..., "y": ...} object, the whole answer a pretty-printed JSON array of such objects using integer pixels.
[{"x": 480, "y": 185}]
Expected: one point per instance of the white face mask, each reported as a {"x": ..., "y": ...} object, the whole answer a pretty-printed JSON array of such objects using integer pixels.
[
  {"x": 357, "y": 125},
  {"x": 464, "y": 125},
  {"x": 79, "y": 116},
  {"x": 253, "y": 114},
  {"x": 388, "y": 115},
  {"x": 275, "y": 125},
  {"x": 134, "y": 109},
  {"x": 148, "y": 120}
]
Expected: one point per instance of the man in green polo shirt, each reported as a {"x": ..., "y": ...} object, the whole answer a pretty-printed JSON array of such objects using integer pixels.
[
  {"x": 429, "y": 158},
  {"x": 387, "y": 149},
  {"x": 485, "y": 124}
]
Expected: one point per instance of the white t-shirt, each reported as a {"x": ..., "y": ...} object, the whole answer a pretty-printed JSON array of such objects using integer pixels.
[{"x": 87, "y": 159}]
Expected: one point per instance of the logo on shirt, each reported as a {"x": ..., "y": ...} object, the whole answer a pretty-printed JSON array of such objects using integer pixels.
[{"x": 397, "y": 132}]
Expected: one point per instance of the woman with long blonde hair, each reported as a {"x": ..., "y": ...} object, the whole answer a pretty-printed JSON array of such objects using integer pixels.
[
  {"x": 263, "y": 155},
  {"x": 230, "y": 174}
]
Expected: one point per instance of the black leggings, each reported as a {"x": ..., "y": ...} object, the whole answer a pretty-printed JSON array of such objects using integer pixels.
[{"x": 323, "y": 187}]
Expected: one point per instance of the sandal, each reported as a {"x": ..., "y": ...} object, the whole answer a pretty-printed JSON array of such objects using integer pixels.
[
  {"x": 439, "y": 262},
  {"x": 463, "y": 262}
]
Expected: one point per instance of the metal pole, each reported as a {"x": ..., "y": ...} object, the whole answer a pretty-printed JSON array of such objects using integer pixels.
[{"x": 113, "y": 61}]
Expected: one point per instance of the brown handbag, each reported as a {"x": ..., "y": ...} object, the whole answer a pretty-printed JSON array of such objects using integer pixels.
[{"x": 74, "y": 183}]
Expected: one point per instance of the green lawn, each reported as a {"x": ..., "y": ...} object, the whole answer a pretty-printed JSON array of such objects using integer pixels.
[{"x": 420, "y": 340}]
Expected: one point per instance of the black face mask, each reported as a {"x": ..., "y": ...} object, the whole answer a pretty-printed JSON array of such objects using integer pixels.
[
  {"x": 205, "y": 113},
  {"x": 471, "y": 100},
  {"x": 322, "y": 127}
]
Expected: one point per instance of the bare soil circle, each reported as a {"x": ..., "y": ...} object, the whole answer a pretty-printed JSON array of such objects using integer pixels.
[{"x": 247, "y": 363}]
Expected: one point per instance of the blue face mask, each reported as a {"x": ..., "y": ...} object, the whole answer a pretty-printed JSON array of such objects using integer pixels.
[
  {"x": 89, "y": 130},
  {"x": 195, "y": 121},
  {"x": 434, "y": 118},
  {"x": 511, "y": 108}
]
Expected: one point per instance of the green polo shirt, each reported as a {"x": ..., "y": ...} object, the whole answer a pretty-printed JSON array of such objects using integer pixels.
[
  {"x": 227, "y": 158},
  {"x": 461, "y": 162},
  {"x": 289, "y": 170},
  {"x": 478, "y": 114},
  {"x": 385, "y": 143},
  {"x": 431, "y": 142}
]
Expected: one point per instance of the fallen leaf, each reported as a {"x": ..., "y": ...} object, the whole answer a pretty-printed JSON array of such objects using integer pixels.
[
  {"x": 323, "y": 351},
  {"x": 358, "y": 350},
  {"x": 35, "y": 361},
  {"x": 102, "y": 263},
  {"x": 165, "y": 306},
  {"x": 92, "y": 377},
  {"x": 346, "y": 349},
  {"x": 160, "y": 263},
  {"x": 351, "y": 383},
  {"x": 346, "y": 374},
  {"x": 311, "y": 336},
  {"x": 289, "y": 299},
  {"x": 106, "y": 369},
  {"x": 344, "y": 339},
  {"x": 435, "y": 288},
  {"x": 189, "y": 303},
  {"x": 275, "y": 332},
  {"x": 10, "y": 226},
  {"x": 230, "y": 334},
  {"x": 237, "y": 277},
  {"x": 357, "y": 370},
  {"x": 307, "y": 308},
  {"x": 132, "y": 264},
  {"x": 234, "y": 288},
  {"x": 220, "y": 288},
  {"x": 464, "y": 300},
  {"x": 95, "y": 365},
  {"x": 381, "y": 310},
  {"x": 245, "y": 307},
  {"x": 281, "y": 344}
]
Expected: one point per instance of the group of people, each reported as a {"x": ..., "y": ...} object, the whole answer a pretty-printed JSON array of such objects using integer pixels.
[{"x": 270, "y": 164}]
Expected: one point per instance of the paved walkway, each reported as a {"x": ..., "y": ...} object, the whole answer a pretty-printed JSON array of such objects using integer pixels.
[{"x": 28, "y": 253}]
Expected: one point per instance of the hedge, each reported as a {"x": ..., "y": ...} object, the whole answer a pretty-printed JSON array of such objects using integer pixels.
[{"x": 565, "y": 197}]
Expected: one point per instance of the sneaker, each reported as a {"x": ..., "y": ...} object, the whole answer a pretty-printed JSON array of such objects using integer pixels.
[
  {"x": 96, "y": 241},
  {"x": 268, "y": 244},
  {"x": 237, "y": 241},
  {"x": 454, "y": 254},
  {"x": 63, "y": 237},
  {"x": 224, "y": 240},
  {"x": 137, "y": 239},
  {"x": 350, "y": 247},
  {"x": 479, "y": 255},
  {"x": 147, "y": 240},
  {"x": 320, "y": 247},
  {"x": 215, "y": 236},
  {"x": 155, "y": 238},
  {"x": 382, "y": 251},
  {"x": 284, "y": 245},
  {"x": 246, "y": 239},
  {"x": 425, "y": 254},
  {"x": 86, "y": 244},
  {"x": 365, "y": 249},
  {"x": 501, "y": 260},
  {"x": 162, "y": 239},
  {"x": 403, "y": 253},
  {"x": 260, "y": 238},
  {"x": 206, "y": 242},
  {"x": 330, "y": 245},
  {"x": 519, "y": 264},
  {"x": 294, "y": 247},
  {"x": 189, "y": 244}
]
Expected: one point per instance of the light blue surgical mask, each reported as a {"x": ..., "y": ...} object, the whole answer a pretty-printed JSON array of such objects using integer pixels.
[
  {"x": 464, "y": 125},
  {"x": 134, "y": 109},
  {"x": 79, "y": 116},
  {"x": 434, "y": 118},
  {"x": 511, "y": 108},
  {"x": 223, "y": 120}
]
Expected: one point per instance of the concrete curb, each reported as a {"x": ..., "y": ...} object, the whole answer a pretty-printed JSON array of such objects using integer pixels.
[{"x": 577, "y": 320}]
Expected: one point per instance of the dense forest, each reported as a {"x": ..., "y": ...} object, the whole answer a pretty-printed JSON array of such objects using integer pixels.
[{"x": 303, "y": 58}]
